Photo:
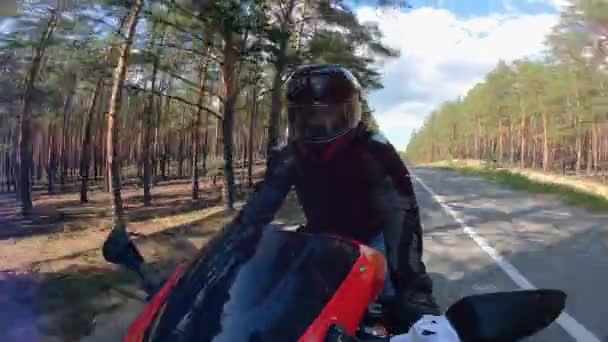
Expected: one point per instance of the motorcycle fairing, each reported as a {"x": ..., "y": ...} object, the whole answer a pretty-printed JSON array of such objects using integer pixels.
[
  {"x": 360, "y": 288},
  {"x": 265, "y": 285},
  {"x": 137, "y": 330}
]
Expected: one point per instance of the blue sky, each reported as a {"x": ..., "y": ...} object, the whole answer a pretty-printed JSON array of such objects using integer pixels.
[
  {"x": 447, "y": 46},
  {"x": 468, "y": 8}
]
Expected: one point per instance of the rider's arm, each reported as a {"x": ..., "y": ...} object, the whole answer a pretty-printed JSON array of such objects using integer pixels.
[
  {"x": 396, "y": 198},
  {"x": 395, "y": 168},
  {"x": 266, "y": 201}
]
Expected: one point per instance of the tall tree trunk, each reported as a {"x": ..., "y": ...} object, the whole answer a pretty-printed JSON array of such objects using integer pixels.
[
  {"x": 159, "y": 150},
  {"x": 65, "y": 135},
  {"x": 511, "y": 142},
  {"x": 228, "y": 130},
  {"x": 277, "y": 83},
  {"x": 252, "y": 119},
  {"x": 40, "y": 158},
  {"x": 230, "y": 73},
  {"x": 532, "y": 152},
  {"x": 452, "y": 148},
  {"x": 589, "y": 140},
  {"x": 180, "y": 154},
  {"x": 479, "y": 142},
  {"x": 467, "y": 148},
  {"x": 25, "y": 119},
  {"x": 206, "y": 143},
  {"x": 522, "y": 155},
  {"x": 149, "y": 109},
  {"x": 579, "y": 141},
  {"x": 218, "y": 139},
  {"x": 196, "y": 130},
  {"x": 164, "y": 161},
  {"x": 275, "y": 111},
  {"x": 52, "y": 161},
  {"x": 165, "y": 165},
  {"x": 85, "y": 156},
  {"x": 595, "y": 145},
  {"x": 15, "y": 157},
  {"x": 8, "y": 154},
  {"x": 500, "y": 140},
  {"x": 113, "y": 131},
  {"x": 149, "y": 146},
  {"x": 545, "y": 119},
  {"x": 579, "y": 148},
  {"x": 180, "y": 150}
]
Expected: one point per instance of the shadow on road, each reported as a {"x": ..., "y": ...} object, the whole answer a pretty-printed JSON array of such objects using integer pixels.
[
  {"x": 476, "y": 275},
  {"x": 552, "y": 245}
]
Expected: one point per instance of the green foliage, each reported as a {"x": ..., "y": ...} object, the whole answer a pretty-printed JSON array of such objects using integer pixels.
[
  {"x": 346, "y": 41},
  {"x": 368, "y": 117},
  {"x": 566, "y": 194},
  {"x": 527, "y": 103}
]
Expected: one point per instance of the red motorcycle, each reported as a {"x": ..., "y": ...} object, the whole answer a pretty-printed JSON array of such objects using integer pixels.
[{"x": 265, "y": 284}]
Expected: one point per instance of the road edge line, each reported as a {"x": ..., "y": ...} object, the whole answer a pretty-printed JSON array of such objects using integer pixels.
[{"x": 567, "y": 322}]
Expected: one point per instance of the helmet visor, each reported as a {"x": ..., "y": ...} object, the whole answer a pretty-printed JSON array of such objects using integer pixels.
[{"x": 316, "y": 123}]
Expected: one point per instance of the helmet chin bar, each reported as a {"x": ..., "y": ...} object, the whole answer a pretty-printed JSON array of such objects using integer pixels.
[
  {"x": 429, "y": 329},
  {"x": 328, "y": 139}
]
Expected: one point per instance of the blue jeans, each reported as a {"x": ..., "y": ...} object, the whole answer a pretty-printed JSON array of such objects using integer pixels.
[{"x": 388, "y": 292}]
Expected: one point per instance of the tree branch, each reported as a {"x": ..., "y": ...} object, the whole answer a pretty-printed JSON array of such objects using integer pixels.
[
  {"x": 197, "y": 52},
  {"x": 176, "y": 98},
  {"x": 176, "y": 26}
]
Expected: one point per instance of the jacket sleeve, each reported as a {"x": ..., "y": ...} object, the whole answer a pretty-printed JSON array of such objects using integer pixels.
[
  {"x": 397, "y": 203},
  {"x": 269, "y": 195},
  {"x": 394, "y": 167}
]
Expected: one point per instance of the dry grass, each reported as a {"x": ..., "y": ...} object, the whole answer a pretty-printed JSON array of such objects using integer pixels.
[
  {"x": 86, "y": 295},
  {"x": 454, "y": 162},
  {"x": 94, "y": 301},
  {"x": 571, "y": 190},
  {"x": 79, "y": 296},
  {"x": 576, "y": 182},
  {"x": 62, "y": 227}
]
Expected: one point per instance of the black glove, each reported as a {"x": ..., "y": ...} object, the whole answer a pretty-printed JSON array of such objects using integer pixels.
[{"x": 336, "y": 333}]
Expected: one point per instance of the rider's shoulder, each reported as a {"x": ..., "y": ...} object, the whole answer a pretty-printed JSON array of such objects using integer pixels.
[
  {"x": 379, "y": 138},
  {"x": 283, "y": 150},
  {"x": 376, "y": 140},
  {"x": 281, "y": 154},
  {"x": 381, "y": 149}
]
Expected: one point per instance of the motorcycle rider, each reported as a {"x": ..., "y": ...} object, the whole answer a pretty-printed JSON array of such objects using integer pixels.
[{"x": 350, "y": 182}]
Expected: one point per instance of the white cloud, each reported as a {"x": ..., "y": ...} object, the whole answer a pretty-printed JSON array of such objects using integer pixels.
[
  {"x": 443, "y": 56},
  {"x": 556, "y": 4},
  {"x": 398, "y": 122}
]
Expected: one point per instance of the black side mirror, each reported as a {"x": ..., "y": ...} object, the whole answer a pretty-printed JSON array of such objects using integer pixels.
[
  {"x": 119, "y": 249},
  {"x": 505, "y": 316}
]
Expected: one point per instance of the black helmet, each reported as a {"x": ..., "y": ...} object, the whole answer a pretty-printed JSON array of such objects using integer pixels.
[{"x": 323, "y": 103}]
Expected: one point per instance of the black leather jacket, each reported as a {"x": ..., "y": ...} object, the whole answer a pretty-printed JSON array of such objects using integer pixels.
[{"x": 362, "y": 192}]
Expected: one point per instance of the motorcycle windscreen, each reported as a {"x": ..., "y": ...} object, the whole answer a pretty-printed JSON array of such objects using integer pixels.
[{"x": 254, "y": 285}]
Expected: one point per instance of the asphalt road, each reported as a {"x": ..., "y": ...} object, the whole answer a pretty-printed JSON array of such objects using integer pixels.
[{"x": 537, "y": 241}]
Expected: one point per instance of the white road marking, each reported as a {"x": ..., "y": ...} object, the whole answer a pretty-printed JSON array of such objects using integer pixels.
[{"x": 569, "y": 324}]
